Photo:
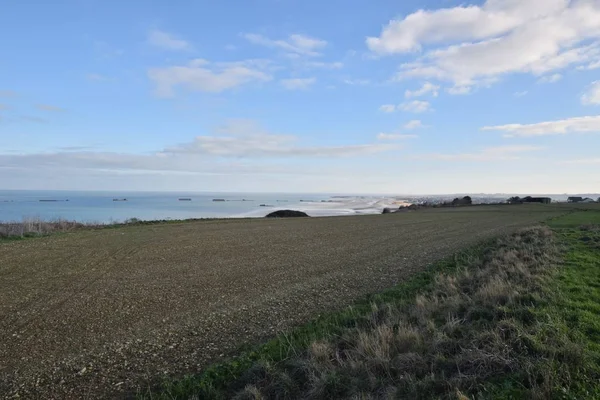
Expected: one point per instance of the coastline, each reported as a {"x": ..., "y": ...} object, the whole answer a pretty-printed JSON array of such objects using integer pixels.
[{"x": 115, "y": 208}]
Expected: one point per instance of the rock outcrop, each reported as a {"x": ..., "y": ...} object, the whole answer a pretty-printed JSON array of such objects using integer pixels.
[{"x": 287, "y": 214}]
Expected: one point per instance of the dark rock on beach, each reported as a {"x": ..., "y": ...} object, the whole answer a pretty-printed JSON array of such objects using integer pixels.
[{"x": 287, "y": 214}]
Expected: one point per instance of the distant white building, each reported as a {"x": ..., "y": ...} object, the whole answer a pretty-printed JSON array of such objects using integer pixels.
[{"x": 587, "y": 200}]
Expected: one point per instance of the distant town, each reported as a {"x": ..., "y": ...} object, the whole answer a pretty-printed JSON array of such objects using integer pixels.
[{"x": 503, "y": 199}]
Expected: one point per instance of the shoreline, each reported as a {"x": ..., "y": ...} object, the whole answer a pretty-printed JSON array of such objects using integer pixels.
[{"x": 107, "y": 211}]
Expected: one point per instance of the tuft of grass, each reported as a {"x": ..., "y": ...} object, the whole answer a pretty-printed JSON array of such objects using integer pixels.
[{"x": 490, "y": 323}]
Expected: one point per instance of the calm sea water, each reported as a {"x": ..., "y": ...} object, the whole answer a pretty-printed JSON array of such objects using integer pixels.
[{"x": 100, "y": 207}]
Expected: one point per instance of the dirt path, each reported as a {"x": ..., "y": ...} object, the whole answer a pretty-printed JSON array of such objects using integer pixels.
[{"x": 100, "y": 313}]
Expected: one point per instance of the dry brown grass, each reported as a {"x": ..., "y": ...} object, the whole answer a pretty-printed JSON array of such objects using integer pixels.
[
  {"x": 38, "y": 227},
  {"x": 590, "y": 227},
  {"x": 474, "y": 330}
]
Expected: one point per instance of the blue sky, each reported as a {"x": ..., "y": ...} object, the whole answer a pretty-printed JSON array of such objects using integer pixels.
[{"x": 301, "y": 96}]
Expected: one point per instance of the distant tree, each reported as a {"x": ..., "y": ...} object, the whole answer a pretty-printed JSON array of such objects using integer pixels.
[
  {"x": 464, "y": 201},
  {"x": 515, "y": 200}
]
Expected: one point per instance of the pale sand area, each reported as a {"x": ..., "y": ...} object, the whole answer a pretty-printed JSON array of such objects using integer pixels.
[{"x": 334, "y": 206}]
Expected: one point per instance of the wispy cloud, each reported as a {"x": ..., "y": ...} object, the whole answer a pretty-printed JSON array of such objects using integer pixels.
[
  {"x": 167, "y": 41},
  {"x": 202, "y": 76},
  {"x": 48, "y": 107},
  {"x": 107, "y": 51},
  {"x": 240, "y": 141},
  {"x": 298, "y": 83},
  {"x": 388, "y": 108},
  {"x": 357, "y": 82},
  {"x": 521, "y": 94},
  {"x": 584, "y": 161},
  {"x": 592, "y": 94},
  {"x": 560, "y": 127},
  {"x": 415, "y": 106},
  {"x": 459, "y": 90},
  {"x": 97, "y": 77},
  {"x": 75, "y": 148},
  {"x": 550, "y": 78},
  {"x": 30, "y": 118},
  {"x": 414, "y": 124},
  {"x": 394, "y": 136},
  {"x": 498, "y": 153},
  {"x": 324, "y": 65},
  {"x": 294, "y": 44},
  {"x": 425, "y": 89}
]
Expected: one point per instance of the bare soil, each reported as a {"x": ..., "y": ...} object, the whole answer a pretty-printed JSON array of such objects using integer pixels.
[{"x": 97, "y": 314}]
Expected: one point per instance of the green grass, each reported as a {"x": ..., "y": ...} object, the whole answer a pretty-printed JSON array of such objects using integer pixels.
[
  {"x": 515, "y": 318},
  {"x": 578, "y": 284}
]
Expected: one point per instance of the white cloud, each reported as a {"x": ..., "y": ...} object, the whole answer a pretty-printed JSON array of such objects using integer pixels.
[
  {"x": 298, "y": 83},
  {"x": 388, "y": 108},
  {"x": 590, "y": 66},
  {"x": 202, "y": 76},
  {"x": 495, "y": 17},
  {"x": 246, "y": 138},
  {"x": 459, "y": 90},
  {"x": 425, "y": 89},
  {"x": 324, "y": 65},
  {"x": 357, "y": 82},
  {"x": 167, "y": 41},
  {"x": 550, "y": 78},
  {"x": 414, "y": 124},
  {"x": 521, "y": 94},
  {"x": 560, "y": 127},
  {"x": 48, "y": 107},
  {"x": 295, "y": 44},
  {"x": 394, "y": 136},
  {"x": 498, "y": 153},
  {"x": 592, "y": 95},
  {"x": 239, "y": 147},
  {"x": 272, "y": 146},
  {"x": 497, "y": 38},
  {"x": 415, "y": 106}
]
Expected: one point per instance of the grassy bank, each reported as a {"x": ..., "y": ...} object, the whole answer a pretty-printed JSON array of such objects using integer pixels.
[
  {"x": 514, "y": 318},
  {"x": 37, "y": 227}
]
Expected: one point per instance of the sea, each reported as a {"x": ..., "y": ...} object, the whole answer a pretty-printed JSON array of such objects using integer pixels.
[{"x": 114, "y": 207}]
